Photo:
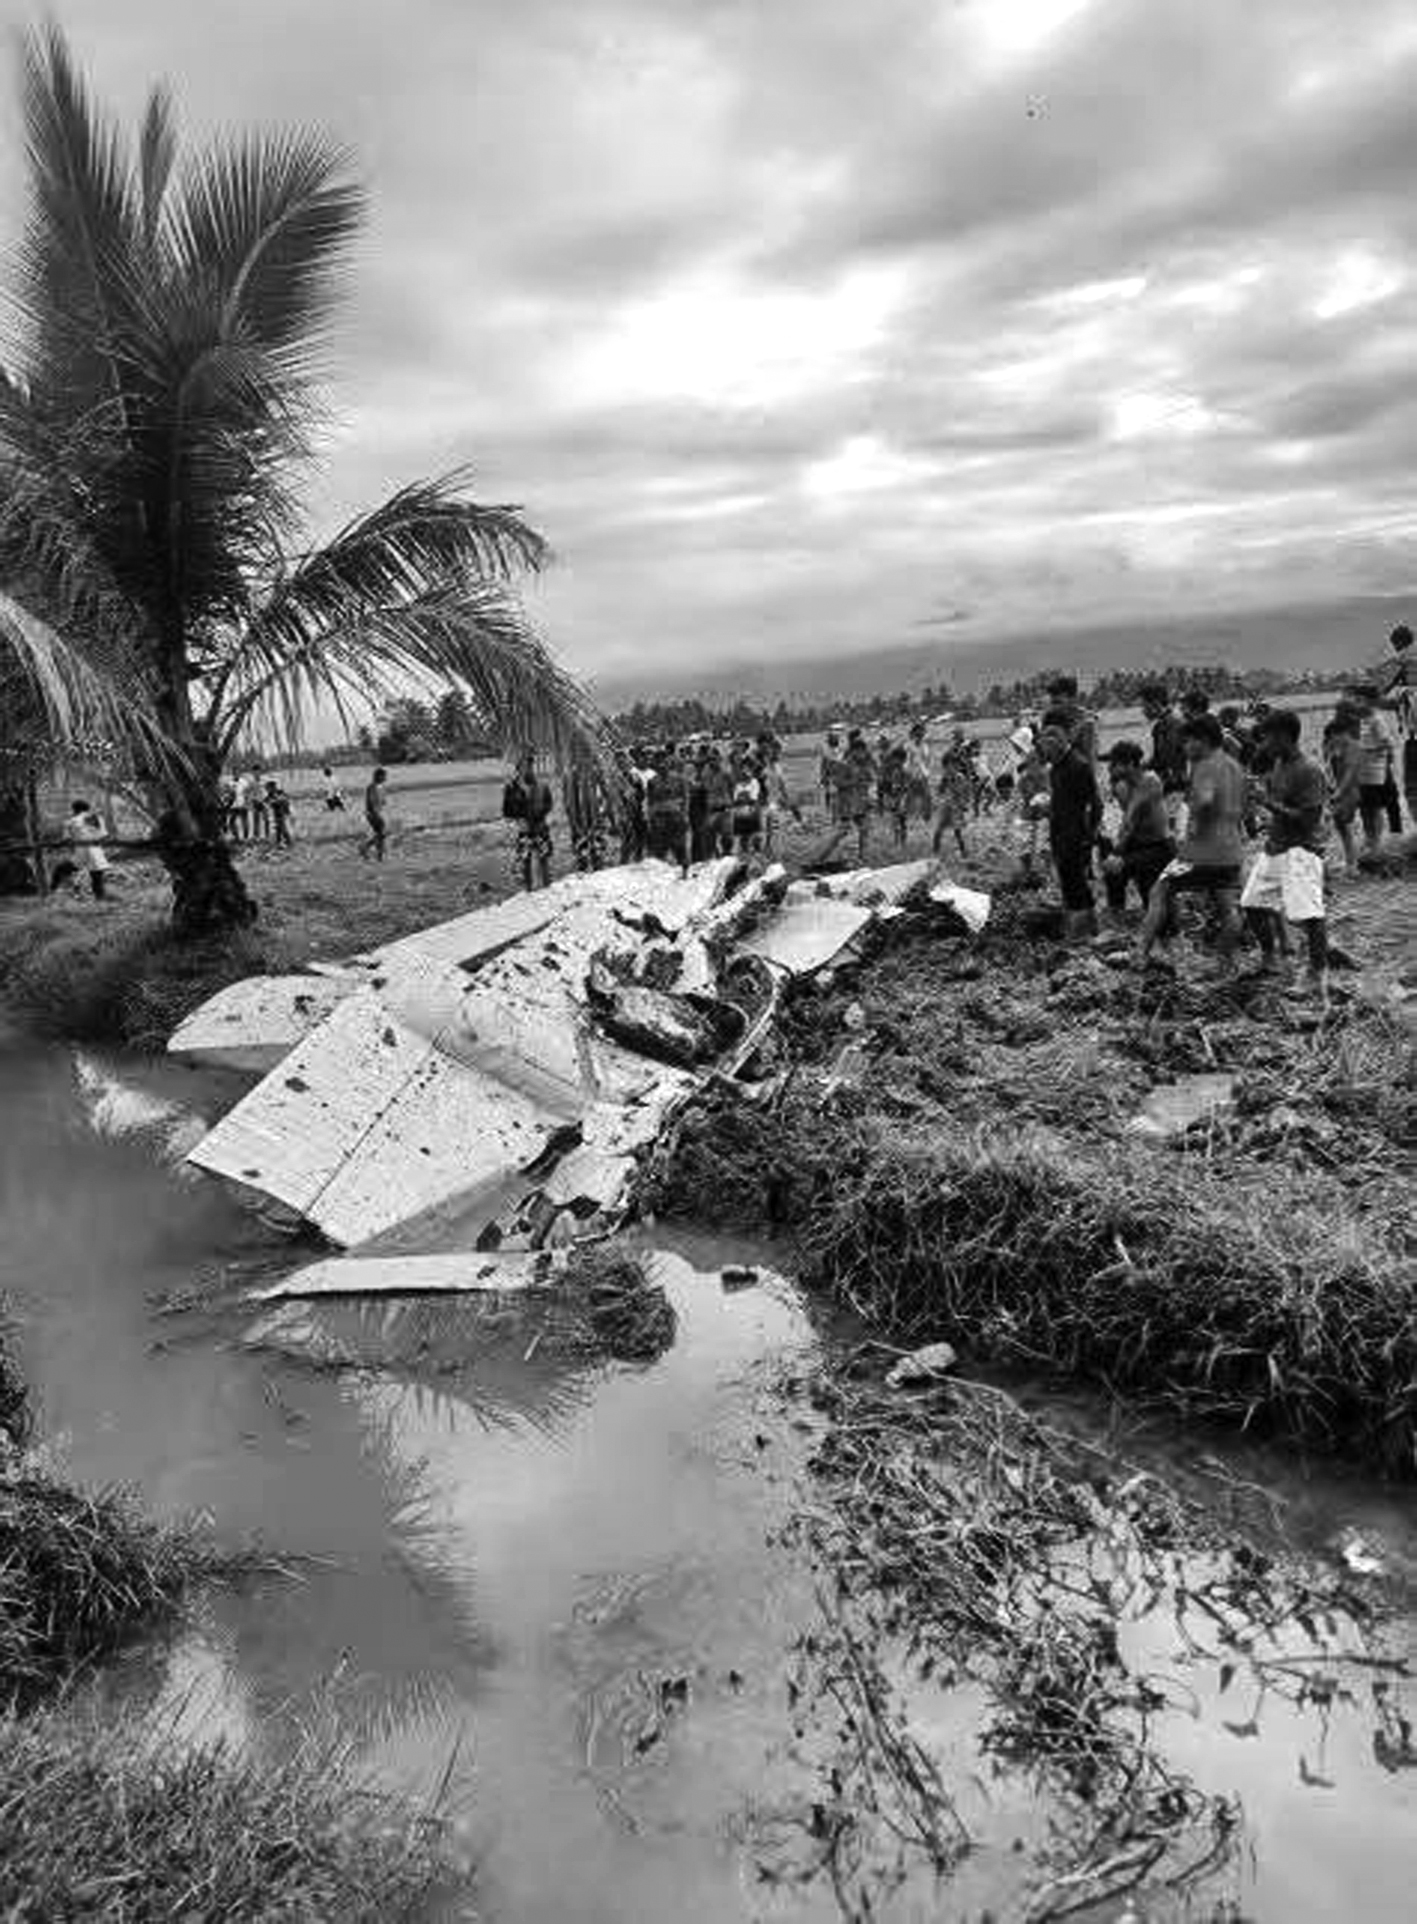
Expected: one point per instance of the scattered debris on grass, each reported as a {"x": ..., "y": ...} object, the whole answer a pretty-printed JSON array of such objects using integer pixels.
[
  {"x": 979, "y": 1181},
  {"x": 962, "y": 1545}
]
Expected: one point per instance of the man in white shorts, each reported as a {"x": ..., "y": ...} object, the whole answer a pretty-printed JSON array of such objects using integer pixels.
[{"x": 1287, "y": 879}]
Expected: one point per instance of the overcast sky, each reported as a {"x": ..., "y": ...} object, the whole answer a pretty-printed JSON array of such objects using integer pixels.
[{"x": 805, "y": 326}]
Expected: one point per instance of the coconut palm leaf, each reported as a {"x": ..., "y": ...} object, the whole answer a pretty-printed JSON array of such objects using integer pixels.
[
  {"x": 66, "y": 700},
  {"x": 74, "y": 266},
  {"x": 157, "y": 155}
]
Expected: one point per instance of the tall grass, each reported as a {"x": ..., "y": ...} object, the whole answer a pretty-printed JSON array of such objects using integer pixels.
[{"x": 95, "y": 1822}]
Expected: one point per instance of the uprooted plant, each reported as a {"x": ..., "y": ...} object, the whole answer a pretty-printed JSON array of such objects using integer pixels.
[{"x": 963, "y": 1544}]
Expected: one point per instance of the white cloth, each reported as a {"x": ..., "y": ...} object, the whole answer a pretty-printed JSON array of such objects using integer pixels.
[
  {"x": 86, "y": 832},
  {"x": 1291, "y": 884}
]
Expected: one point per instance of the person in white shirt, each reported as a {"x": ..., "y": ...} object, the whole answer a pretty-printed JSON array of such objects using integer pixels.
[
  {"x": 241, "y": 790},
  {"x": 334, "y": 794},
  {"x": 86, "y": 833}
]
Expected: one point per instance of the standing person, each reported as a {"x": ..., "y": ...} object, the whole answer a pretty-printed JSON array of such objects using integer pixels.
[
  {"x": 334, "y": 794},
  {"x": 277, "y": 805},
  {"x": 527, "y": 800},
  {"x": 1396, "y": 681},
  {"x": 1343, "y": 759},
  {"x": 701, "y": 842},
  {"x": 634, "y": 839},
  {"x": 718, "y": 792},
  {"x": 1212, "y": 850},
  {"x": 1287, "y": 880},
  {"x": 747, "y": 806},
  {"x": 1168, "y": 750},
  {"x": 777, "y": 798},
  {"x": 1074, "y": 817},
  {"x": 260, "y": 814},
  {"x": 829, "y": 773},
  {"x": 1032, "y": 787},
  {"x": 894, "y": 791},
  {"x": 241, "y": 807},
  {"x": 1377, "y": 756},
  {"x": 587, "y": 812},
  {"x": 226, "y": 804},
  {"x": 667, "y": 811},
  {"x": 375, "y": 816},
  {"x": 917, "y": 770},
  {"x": 1144, "y": 844},
  {"x": 1078, "y": 722},
  {"x": 954, "y": 795},
  {"x": 86, "y": 833},
  {"x": 856, "y": 790}
]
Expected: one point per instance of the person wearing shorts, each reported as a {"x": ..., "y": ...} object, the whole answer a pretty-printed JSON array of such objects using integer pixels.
[
  {"x": 376, "y": 820},
  {"x": 1143, "y": 847},
  {"x": 1209, "y": 859},
  {"x": 528, "y": 801},
  {"x": 1287, "y": 880}
]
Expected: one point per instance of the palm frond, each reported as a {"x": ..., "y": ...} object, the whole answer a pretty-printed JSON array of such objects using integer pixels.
[
  {"x": 78, "y": 709},
  {"x": 266, "y": 226},
  {"x": 157, "y": 155},
  {"x": 75, "y": 265},
  {"x": 474, "y": 637}
]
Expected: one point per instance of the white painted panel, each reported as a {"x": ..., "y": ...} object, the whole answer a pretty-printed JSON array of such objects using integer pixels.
[{"x": 253, "y": 1025}]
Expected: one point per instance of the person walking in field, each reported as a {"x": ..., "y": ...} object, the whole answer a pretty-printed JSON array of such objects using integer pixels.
[
  {"x": 894, "y": 793},
  {"x": 1143, "y": 846},
  {"x": 240, "y": 813},
  {"x": 527, "y": 800},
  {"x": 1396, "y": 682},
  {"x": 1287, "y": 880},
  {"x": 1212, "y": 851},
  {"x": 256, "y": 803},
  {"x": 376, "y": 816},
  {"x": 829, "y": 770},
  {"x": 919, "y": 788},
  {"x": 667, "y": 810},
  {"x": 747, "y": 806},
  {"x": 334, "y": 794},
  {"x": 86, "y": 834},
  {"x": 1168, "y": 751},
  {"x": 1074, "y": 817}
]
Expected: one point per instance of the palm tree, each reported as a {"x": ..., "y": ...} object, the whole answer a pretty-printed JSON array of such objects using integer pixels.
[{"x": 165, "y": 355}]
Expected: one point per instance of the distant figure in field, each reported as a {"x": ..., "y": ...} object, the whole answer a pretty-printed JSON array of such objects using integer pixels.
[
  {"x": 956, "y": 794},
  {"x": 1074, "y": 817},
  {"x": 917, "y": 768},
  {"x": 777, "y": 799},
  {"x": 1287, "y": 881},
  {"x": 895, "y": 795},
  {"x": 1212, "y": 850},
  {"x": 1396, "y": 681},
  {"x": 86, "y": 835},
  {"x": 260, "y": 813},
  {"x": 376, "y": 816},
  {"x": 527, "y": 800},
  {"x": 1343, "y": 761},
  {"x": 748, "y": 802},
  {"x": 334, "y": 794},
  {"x": 1379, "y": 804},
  {"x": 829, "y": 772},
  {"x": 240, "y": 813},
  {"x": 278, "y": 809}
]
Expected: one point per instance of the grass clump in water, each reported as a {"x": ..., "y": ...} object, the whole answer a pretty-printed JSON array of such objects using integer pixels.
[
  {"x": 80, "y": 1573},
  {"x": 102, "y": 1823},
  {"x": 630, "y": 1315}
]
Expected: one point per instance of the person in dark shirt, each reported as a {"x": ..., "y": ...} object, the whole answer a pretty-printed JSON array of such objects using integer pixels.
[
  {"x": 1143, "y": 846},
  {"x": 375, "y": 818},
  {"x": 528, "y": 801},
  {"x": 1287, "y": 880},
  {"x": 1074, "y": 817},
  {"x": 278, "y": 808},
  {"x": 667, "y": 810}
]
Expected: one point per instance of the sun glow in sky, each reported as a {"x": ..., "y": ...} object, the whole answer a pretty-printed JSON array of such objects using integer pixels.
[{"x": 801, "y": 327}]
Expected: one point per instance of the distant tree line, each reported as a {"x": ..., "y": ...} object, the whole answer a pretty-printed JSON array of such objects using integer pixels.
[
  {"x": 1118, "y": 688},
  {"x": 411, "y": 730}
]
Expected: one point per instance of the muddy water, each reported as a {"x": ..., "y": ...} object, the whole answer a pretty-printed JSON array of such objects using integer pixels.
[{"x": 547, "y": 1588}]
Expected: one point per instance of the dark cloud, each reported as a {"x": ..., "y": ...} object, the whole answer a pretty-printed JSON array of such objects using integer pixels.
[{"x": 797, "y": 327}]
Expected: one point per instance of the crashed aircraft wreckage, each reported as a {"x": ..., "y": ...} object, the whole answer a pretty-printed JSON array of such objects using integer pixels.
[{"x": 507, "y": 1068}]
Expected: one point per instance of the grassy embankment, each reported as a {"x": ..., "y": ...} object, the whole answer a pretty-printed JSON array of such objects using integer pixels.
[
  {"x": 978, "y": 1180},
  {"x": 110, "y": 1819}
]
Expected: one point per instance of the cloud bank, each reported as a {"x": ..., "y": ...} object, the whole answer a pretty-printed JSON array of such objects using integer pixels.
[{"x": 807, "y": 330}]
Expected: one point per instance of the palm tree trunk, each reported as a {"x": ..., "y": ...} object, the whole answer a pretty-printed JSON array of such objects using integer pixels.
[{"x": 208, "y": 895}]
